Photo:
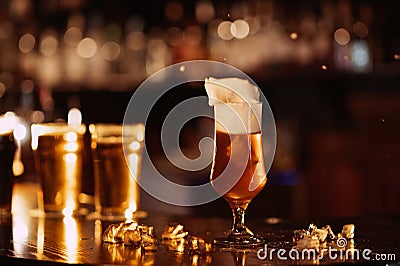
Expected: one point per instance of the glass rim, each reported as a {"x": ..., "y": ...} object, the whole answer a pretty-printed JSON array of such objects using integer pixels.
[
  {"x": 105, "y": 126},
  {"x": 239, "y": 103},
  {"x": 53, "y": 127},
  {"x": 108, "y": 130}
]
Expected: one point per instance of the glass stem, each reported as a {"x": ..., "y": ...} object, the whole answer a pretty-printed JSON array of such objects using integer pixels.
[{"x": 239, "y": 226}]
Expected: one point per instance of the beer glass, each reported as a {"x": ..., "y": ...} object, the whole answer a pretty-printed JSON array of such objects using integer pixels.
[
  {"x": 58, "y": 155},
  {"x": 7, "y": 150},
  {"x": 116, "y": 190},
  {"x": 238, "y": 172}
]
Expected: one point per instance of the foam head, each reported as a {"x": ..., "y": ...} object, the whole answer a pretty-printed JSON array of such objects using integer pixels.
[
  {"x": 238, "y": 118},
  {"x": 231, "y": 90},
  {"x": 236, "y": 105}
]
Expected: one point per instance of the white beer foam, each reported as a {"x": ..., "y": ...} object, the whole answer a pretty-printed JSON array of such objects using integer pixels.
[
  {"x": 237, "y": 109},
  {"x": 238, "y": 118},
  {"x": 231, "y": 90}
]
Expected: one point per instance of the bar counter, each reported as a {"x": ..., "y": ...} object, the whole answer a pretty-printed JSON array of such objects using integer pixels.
[{"x": 30, "y": 240}]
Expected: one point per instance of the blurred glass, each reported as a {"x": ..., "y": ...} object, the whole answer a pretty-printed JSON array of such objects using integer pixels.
[
  {"x": 58, "y": 155},
  {"x": 7, "y": 150},
  {"x": 116, "y": 189}
]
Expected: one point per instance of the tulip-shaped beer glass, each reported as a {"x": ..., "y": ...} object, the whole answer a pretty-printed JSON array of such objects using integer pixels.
[{"x": 238, "y": 172}]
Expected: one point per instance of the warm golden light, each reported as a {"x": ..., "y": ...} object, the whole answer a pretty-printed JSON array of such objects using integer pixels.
[
  {"x": 72, "y": 36},
  {"x": 37, "y": 116},
  {"x": 240, "y": 29},
  {"x": 140, "y": 136},
  {"x": 40, "y": 238},
  {"x": 293, "y": 35},
  {"x": 87, "y": 48},
  {"x": 71, "y": 147},
  {"x": 20, "y": 228},
  {"x": 92, "y": 128},
  {"x": 19, "y": 132},
  {"x": 71, "y": 136},
  {"x": 116, "y": 175},
  {"x": 224, "y": 30},
  {"x": 8, "y": 122},
  {"x": 342, "y": 36},
  {"x": 27, "y": 86},
  {"x": 18, "y": 168},
  {"x": 20, "y": 233},
  {"x": 71, "y": 238},
  {"x": 26, "y": 43},
  {"x": 48, "y": 46},
  {"x": 70, "y": 158},
  {"x": 63, "y": 177},
  {"x": 133, "y": 160},
  {"x": 110, "y": 50},
  {"x": 36, "y": 131},
  {"x": 74, "y": 117},
  {"x": 70, "y": 189},
  {"x": 98, "y": 232}
]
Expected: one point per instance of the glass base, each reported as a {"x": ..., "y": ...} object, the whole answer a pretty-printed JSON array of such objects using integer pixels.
[{"x": 238, "y": 241}]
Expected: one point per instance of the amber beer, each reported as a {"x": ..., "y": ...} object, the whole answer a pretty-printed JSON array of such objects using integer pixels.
[
  {"x": 115, "y": 187},
  {"x": 116, "y": 165},
  {"x": 58, "y": 155},
  {"x": 238, "y": 172},
  {"x": 239, "y": 154}
]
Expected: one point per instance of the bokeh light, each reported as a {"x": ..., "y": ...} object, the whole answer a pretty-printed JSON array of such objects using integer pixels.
[
  {"x": 174, "y": 36},
  {"x": 72, "y": 36},
  {"x": 342, "y": 36},
  {"x": 224, "y": 30},
  {"x": 360, "y": 29},
  {"x": 27, "y": 86},
  {"x": 74, "y": 117},
  {"x": 48, "y": 45},
  {"x": 240, "y": 29},
  {"x": 19, "y": 132},
  {"x": 26, "y": 43},
  {"x": 37, "y": 117},
  {"x": 87, "y": 48},
  {"x": 204, "y": 11},
  {"x": 293, "y": 35},
  {"x": 110, "y": 50}
]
